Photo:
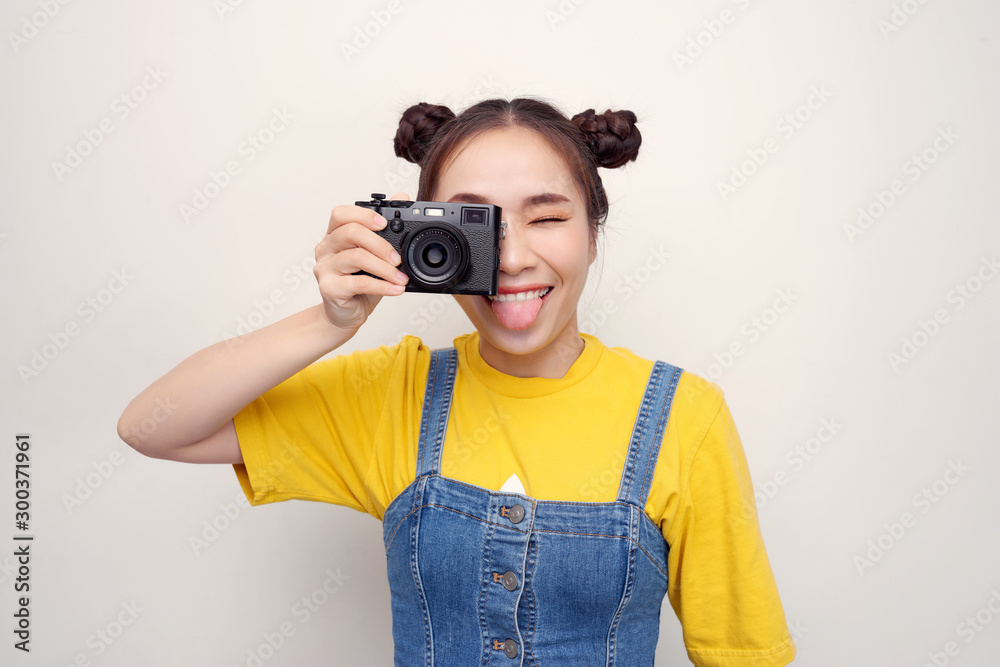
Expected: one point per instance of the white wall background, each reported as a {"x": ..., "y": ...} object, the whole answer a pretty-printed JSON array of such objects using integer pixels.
[{"x": 113, "y": 529}]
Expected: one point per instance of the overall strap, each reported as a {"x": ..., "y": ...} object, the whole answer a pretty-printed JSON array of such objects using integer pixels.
[
  {"x": 647, "y": 434},
  {"x": 437, "y": 404}
]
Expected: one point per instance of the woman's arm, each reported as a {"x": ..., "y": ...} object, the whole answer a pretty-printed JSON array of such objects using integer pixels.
[{"x": 187, "y": 415}]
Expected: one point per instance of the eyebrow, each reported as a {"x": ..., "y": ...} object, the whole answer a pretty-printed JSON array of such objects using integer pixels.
[{"x": 528, "y": 202}]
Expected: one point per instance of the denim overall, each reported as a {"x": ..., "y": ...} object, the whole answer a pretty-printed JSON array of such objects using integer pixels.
[{"x": 481, "y": 577}]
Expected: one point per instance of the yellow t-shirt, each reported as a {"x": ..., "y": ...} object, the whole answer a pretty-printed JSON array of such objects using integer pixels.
[{"x": 345, "y": 431}]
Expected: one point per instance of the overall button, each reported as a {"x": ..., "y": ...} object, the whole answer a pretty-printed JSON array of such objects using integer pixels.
[
  {"x": 509, "y": 580},
  {"x": 509, "y": 647},
  {"x": 516, "y": 514}
]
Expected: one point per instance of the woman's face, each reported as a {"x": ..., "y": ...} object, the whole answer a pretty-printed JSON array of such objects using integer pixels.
[{"x": 543, "y": 259}]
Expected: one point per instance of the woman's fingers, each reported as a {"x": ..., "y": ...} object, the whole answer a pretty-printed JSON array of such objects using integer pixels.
[
  {"x": 354, "y": 227},
  {"x": 350, "y": 261},
  {"x": 346, "y": 213},
  {"x": 351, "y": 246},
  {"x": 340, "y": 290},
  {"x": 353, "y": 235},
  {"x": 353, "y": 213}
]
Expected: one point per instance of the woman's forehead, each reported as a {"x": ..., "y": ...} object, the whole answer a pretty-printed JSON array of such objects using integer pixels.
[
  {"x": 516, "y": 164},
  {"x": 530, "y": 201}
]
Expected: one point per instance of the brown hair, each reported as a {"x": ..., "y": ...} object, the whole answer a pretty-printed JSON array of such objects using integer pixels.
[{"x": 428, "y": 135}]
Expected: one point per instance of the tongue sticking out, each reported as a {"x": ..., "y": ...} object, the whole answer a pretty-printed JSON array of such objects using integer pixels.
[{"x": 517, "y": 315}]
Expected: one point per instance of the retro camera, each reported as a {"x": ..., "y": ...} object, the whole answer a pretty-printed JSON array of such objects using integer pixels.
[{"x": 449, "y": 248}]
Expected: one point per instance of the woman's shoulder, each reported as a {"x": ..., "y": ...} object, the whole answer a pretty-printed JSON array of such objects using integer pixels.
[{"x": 694, "y": 393}]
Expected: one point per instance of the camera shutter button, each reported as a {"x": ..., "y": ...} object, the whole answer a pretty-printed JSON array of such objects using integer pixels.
[{"x": 396, "y": 224}]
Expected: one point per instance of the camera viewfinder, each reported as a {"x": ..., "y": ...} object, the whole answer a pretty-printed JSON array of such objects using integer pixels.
[{"x": 474, "y": 216}]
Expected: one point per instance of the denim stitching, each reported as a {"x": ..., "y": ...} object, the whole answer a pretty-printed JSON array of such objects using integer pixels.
[
  {"x": 656, "y": 440},
  {"x": 627, "y": 591},
  {"x": 638, "y": 434},
  {"x": 484, "y": 592},
  {"x": 415, "y": 571}
]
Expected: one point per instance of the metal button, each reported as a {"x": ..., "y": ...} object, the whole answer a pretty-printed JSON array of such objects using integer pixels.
[
  {"x": 510, "y": 648},
  {"x": 516, "y": 514},
  {"x": 509, "y": 580}
]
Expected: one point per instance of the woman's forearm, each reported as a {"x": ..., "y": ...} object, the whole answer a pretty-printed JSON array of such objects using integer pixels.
[{"x": 203, "y": 392}]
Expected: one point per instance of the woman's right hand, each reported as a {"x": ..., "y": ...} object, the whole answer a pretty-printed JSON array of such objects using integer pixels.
[{"x": 351, "y": 245}]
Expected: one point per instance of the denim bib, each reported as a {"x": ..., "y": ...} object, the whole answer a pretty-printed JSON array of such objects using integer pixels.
[{"x": 481, "y": 577}]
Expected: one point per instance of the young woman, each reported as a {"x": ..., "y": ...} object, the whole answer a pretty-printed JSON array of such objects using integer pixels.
[{"x": 540, "y": 492}]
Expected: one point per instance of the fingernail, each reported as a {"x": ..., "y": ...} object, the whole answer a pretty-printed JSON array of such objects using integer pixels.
[
  {"x": 398, "y": 289},
  {"x": 402, "y": 277},
  {"x": 380, "y": 221},
  {"x": 394, "y": 258}
]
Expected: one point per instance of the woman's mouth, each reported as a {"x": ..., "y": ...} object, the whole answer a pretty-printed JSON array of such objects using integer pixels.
[
  {"x": 518, "y": 310},
  {"x": 521, "y": 296}
]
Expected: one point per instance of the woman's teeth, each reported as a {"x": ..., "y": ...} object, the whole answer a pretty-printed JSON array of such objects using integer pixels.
[{"x": 521, "y": 296}]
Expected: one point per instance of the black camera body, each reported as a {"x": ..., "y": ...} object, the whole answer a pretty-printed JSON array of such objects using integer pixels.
[{"x": 446, "y": 248}]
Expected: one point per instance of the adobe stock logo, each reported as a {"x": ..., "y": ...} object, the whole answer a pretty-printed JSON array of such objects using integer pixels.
[
  {"x": 914, "y": 168},
  {"x": 972, "y": 626},
  {"x": 37, "y": 21},
  {"x": 751, "y": 330},
  {"x": 223, "y": 7},
  {"x": 121, "y": 108},
  {"x": 924, "y": 500},
  {"x": 766, "y": 489},
  {"x": 713, "y": 29},
  {"x": 962, "y": 293},
  {"x": 787, "y": 126},
  {"x": 303, "y": 610},
  {"x": 900, "y": 16},
  {"x": 87, "y": 484},
  {"x": 59, "y": 340},
  {"x": 363, "y": 35},
  {"x": 562, "y": 12},
  {"x": 104, "y": 637},
  {"x": 248, "y": 150}
]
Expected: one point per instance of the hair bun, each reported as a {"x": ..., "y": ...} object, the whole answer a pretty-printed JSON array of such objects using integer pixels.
[
  {"x": 613, "y": 137},
  {"x": 417, "y": 129}
]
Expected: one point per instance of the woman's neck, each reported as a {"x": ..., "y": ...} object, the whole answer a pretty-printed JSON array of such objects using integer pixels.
[{"x": 552, "y": 361}]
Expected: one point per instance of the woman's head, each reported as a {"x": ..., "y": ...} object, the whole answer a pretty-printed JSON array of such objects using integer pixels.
[
  {"x": 541, "y": 169},
  {"x": 430, "y": 135}
]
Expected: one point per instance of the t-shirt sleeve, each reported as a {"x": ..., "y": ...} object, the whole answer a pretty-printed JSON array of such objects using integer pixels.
[
  {"x": 720, "y": 581},
  {"x": 313, "y": 436}
]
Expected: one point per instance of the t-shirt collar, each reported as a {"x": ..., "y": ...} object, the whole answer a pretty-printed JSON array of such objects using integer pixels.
[{"x": 469, "y": 358}]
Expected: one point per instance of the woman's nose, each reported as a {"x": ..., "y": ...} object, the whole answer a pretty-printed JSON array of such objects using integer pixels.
[{"x": 515, "y": 249}]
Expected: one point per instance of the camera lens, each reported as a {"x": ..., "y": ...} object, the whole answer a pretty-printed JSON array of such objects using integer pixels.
[{"x": 436, "y": 257}]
